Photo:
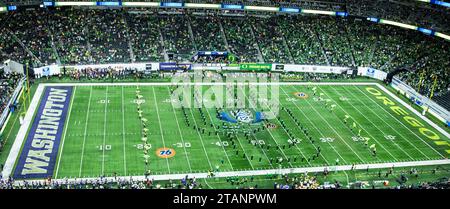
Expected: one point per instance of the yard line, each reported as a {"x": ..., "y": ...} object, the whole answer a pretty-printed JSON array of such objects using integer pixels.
[
  {"x": 160, "y": 127},
  {"x": 270, "y": 133},
  {"x": 246, "y": 156},
  {"x": 104, "y": 132},
  {"x": 181, "y": 135},
  {"x": 417, "y": 113},
  {"x": 210, "y": 118},
  {"x": 201, "y": 138},
  {"x": 123, "y": 135},
  {"x": 405, "y": 138},
  {"x": 309, "y": 163},
  {"x": 335, "y": 131},
  {"x": 262, "y": 149},
  {"x": 406, "y": 126},
  {"x": 320, "y": 132},
  {"x": 85, "y": 131},
  {"x": 381, "y": 145},
  {"x": 65, "y": 131},
  {"x": 317, "y": 131}
]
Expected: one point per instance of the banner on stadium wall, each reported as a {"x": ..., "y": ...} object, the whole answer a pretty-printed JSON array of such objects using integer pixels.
[
  {"x": 215, "y": 67},
  {"x": 255, "y": 67},
  {"x": 372, "y": 73},
  {"x": 153, "y": 66},
  {"x": 10, "y": 66},
  {"x": 47, "y": 70},
  {"x": 172, "y": 66},
  {"x": 278, "y": 68},
  {"x": 310, "y": 68}
]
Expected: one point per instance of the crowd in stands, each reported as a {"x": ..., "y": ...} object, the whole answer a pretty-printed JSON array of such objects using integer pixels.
[
  {"x": 410, "y": 12},
  {"x": 301, "y": 41},
  {"x": 241, "y": 41},
  {"x": 270, "y": 40},
  {"x": 177, "y": 38},
  {"x": 144, "y": 37},
  {"x": 70, "y": 36},
  {"x": 107, "y": 36},
  {"x": 31, "y": 29},
  {"x": 8, "y": 83},
  {"x": 302, "y": 181},
  {"x": 207, "y": 34},
  {"x": 79, "y": 36}
]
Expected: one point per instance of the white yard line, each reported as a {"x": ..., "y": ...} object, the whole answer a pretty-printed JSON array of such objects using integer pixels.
[
  {"x": 85, "y": 132},
  {"x": 104, "y": 132},
  {"x": 320, "y": 132},
  {"x": 431, "y": 123},
  {"x": 395, "y": 130},
  {"x": 181, "y": 135},
  {"x": 160, "y": 126},
  {"x": 261, "y": 172},
  {"x": 253, "y": 106},
  {"x": 218, "y": 137},
  {"x": 201, "y": 138},
  {"x": 342, "y": 139},
  {"x": 123, "y": 136},
  {"x": 359, "y": 124},
  {"x": 270, "y": 133},
  {"x": 65, "y": 132}
]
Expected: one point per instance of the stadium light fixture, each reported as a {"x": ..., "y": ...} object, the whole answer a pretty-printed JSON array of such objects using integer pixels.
[
  {"x": 444, "y": 36},
  {"x": 140, "y": 4},
  {"x": 259, "y": 8},
  {"x": 75, "y": 3},
  {"x": 402, "y": 25},
  {"x": 206, "y": 6},
  {"x": 321, "y": 12}
]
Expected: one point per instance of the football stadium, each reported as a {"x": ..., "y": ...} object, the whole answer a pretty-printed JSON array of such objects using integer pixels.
[{"x": 298, "y": 94}]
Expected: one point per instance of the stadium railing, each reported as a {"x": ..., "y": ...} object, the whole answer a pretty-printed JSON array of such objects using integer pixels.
[{"x": 12, "y": 100}]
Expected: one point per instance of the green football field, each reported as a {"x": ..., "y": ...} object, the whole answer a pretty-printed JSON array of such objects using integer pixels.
[{"x": 103, "y": 133}]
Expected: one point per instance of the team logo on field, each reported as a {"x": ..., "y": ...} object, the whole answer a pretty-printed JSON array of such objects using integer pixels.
[
  {"x": 241, "y": 116},
  {"x": 244, "y": 116},
  {"x": 271, "y": 125},
  {"x": 165, "y": 152},
  {"x": 301, "y": 95}
]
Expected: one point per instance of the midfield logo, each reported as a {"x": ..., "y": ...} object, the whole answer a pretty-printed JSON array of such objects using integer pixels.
[{"x": 236, "y": 92}]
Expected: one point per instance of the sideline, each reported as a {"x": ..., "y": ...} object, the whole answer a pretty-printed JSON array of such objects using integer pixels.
[{"x": 247, "y": 173}]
